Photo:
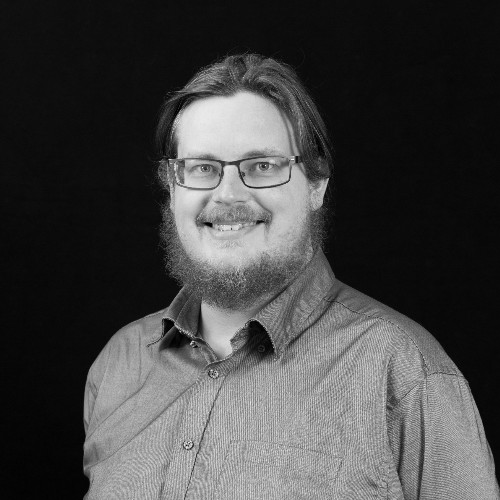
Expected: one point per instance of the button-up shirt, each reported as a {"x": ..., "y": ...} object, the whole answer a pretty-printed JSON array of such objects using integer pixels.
[{"x": 327, "y": 394}]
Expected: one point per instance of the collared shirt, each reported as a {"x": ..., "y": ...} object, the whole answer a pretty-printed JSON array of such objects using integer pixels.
[{"x": 328, "y": 394}]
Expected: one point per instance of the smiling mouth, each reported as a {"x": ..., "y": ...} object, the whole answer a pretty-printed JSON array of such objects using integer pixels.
[{"x": 232, "y": 227}]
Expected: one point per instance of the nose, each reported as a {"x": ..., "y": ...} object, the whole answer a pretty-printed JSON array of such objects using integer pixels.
[{"x": 231, "y": 189}]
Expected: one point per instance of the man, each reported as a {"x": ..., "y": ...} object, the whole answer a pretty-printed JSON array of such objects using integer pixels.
[{"x": 267, "y": 378}]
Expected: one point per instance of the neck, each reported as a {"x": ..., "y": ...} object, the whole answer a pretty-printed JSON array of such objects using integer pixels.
[{"x": 218, "y": 326}]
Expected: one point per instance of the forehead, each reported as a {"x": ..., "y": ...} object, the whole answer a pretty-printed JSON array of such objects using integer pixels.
[{"x": 229, "y": 127}]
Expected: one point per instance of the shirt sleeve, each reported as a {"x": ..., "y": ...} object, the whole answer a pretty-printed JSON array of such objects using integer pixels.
[
  {"x": 88, "y": 402},
  {"x": 438, "y": 443},
  {"x": 94, "y": 379}
]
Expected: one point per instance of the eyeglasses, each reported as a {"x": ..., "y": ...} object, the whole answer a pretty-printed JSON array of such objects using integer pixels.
[{"x": 257, "y": 172}]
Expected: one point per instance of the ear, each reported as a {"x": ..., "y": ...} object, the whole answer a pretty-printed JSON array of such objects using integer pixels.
[{"x": 317, "y": 190}]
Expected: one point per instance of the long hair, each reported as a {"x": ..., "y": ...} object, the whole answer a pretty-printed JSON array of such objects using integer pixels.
[{"x": 265, "y": 77}]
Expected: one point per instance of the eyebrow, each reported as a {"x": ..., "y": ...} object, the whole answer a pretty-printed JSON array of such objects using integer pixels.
[{"x": 247, "y": 154}]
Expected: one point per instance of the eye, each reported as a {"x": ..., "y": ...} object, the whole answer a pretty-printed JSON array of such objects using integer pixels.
[
  {"x": 205, "y": 169},
  {"x": 201, "y": 169},
  {"x": 264, "y": 166}
]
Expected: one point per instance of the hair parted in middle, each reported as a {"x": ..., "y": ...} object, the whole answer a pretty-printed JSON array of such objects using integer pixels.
[{"x": 266, "y": 77}]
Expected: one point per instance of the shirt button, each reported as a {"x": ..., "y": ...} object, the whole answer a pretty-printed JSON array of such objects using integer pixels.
[
  {"x": 188, "y": 444},
  {"x": 193, "y": 343},
  {"x": 261, "y": 348},
  {"x": 213, "y": 373}
]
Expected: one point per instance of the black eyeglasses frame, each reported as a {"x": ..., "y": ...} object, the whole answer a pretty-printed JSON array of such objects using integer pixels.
[{"x": 292, "y": 160}]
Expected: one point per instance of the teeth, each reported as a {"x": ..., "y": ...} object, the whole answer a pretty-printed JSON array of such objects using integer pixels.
[{"x": 232, "y": 227}]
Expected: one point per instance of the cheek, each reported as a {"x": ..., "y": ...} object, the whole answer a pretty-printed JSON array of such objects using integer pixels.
[
  {"x": 290, "y": 216},
  {"x": 186, "y": 207}
]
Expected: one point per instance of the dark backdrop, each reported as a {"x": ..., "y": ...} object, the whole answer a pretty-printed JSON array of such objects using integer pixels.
[{"x": 408, "y": 92}]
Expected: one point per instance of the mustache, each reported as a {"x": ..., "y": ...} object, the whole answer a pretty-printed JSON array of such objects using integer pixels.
[{"x": 221, "y": 215}]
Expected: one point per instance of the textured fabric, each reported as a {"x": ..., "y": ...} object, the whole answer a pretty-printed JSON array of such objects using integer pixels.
[{"x": 327, "y": 394}]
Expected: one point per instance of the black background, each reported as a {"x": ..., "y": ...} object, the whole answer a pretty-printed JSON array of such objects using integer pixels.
[{"x": 408, "y": 91}]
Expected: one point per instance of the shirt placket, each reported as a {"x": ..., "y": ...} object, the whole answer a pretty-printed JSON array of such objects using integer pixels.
[{"x": 190, "y": 434}]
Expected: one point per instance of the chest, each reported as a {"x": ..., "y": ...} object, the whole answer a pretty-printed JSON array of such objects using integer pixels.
[{"x": 263, "y": 428}]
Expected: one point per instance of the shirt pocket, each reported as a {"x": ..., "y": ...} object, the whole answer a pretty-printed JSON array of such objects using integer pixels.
[{"x": 271, "y": 471}]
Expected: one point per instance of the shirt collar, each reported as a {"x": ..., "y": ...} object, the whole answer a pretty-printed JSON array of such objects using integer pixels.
[{"x": 284, "y": 318}]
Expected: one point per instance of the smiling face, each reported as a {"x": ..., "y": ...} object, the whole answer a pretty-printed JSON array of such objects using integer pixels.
[
  {"x": 273, "y": 219},
  {"x": 234, "y": 228}
]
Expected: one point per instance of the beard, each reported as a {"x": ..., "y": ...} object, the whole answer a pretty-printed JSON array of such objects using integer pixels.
[{"x": 240, "y": 287}]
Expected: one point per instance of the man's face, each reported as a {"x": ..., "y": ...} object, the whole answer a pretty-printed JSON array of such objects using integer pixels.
[{"x": 231, "y": 128}]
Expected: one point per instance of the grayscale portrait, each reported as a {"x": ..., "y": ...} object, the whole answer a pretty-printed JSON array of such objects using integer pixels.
[{"x": 267, "y": 377}]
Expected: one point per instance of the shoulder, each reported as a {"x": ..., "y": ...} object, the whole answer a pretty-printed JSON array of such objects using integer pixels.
[
  {"x": 120, "y": 369},
  {"x": 126, "y": 350},
  {"x": 139, "y": 332},
  {"x": 394, "y": 327},
  {"x": 408, "y": 352}
]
